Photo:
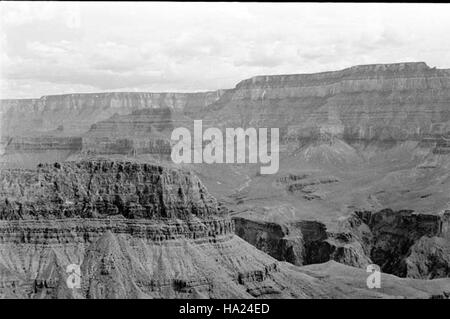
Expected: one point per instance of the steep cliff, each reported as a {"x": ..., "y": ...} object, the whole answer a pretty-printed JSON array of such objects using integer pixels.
[
  {"x": 387, "y": 103},
  {"x": 402, "y": 243},
  {"x": 77, "y": 112},
  {"x": 144, "y": 131},
  {"x": 136, "y": 230},
  {"x": 382, "y": 102},
  {"x": 103, "y": 188},
  {"x": 302, "y": 242},
  {"x": 363, "y": 138}
]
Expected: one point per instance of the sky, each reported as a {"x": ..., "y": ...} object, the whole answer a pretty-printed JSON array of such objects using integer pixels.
[{"x": 74, "y": 47}]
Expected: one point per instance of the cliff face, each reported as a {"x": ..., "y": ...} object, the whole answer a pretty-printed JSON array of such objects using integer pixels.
[
  {"x": 302, "y": 242},
  {"x": 142, "y": 231},
  {"x": 110, "y": 217},
  {"x": 136, "y": 230},
  {"x": 381, "y": 102},
  {"x": 144, "y": 131},
  {"x": 77, "y": 112},
  {"x": 386, "y": 102},
  {"x": 101, "y": 189},
  {"x": 402, "y": 243}
]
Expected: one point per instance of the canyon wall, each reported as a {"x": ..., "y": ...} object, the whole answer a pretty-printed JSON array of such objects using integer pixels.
[
  {"x": 402, "y": 243},
  {"x": 369, "y": 102},
  {"x": 101, "y": 189},
  {"x": 135, "y": 230},
  {"x": 77, "y": 112},
  {"x": 144, "y": 131},
  {"x": 382, "y": 102}
]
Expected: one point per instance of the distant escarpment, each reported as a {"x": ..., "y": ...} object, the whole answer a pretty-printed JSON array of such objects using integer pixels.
[
  {"x": 77, "y": 112},
  {"x": 402, "y": 243},
  {"x": 382, "y": 101},
  {"x": 363, "y": 103},
  {"x": 387, "y": 103},
  {"x": 144, "y": 131}
]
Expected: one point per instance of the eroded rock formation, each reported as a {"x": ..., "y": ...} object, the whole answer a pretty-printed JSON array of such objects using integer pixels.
[
  {"x": 402, "y": 243},
  {"x": 136, "y": 231},
  {"x": 142, "y": 230},
  {"x": 383, "y": 101}
]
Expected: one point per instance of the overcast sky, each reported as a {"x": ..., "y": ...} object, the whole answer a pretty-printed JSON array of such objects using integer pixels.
[{"x": 59, "y": 47}]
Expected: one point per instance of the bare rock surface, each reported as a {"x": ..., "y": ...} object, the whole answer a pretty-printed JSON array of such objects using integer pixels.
[
  {"x": 402, "y": 243},
  {"x": 362, "y": 139},
  {"x": 183, "y": 246}
]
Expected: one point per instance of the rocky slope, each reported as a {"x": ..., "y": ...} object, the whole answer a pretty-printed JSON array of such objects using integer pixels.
[
  {"x": 359, "y": 139},
  {"x": 135, "y": 229},
  {"x": 402, "y": 243},
  {"x": 143, "y": 231}
]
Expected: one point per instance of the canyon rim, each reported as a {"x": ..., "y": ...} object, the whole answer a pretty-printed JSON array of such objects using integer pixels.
[{"x": 181, "y": 173}]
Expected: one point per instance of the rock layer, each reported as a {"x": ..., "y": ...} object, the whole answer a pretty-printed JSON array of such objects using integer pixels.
[
  {"x": 101, "y": 189},
  {"x": 367, "y": 103},
  {"x": 77, "y": 112},
  {"x": 402, "y": 243},
  {"x": 135, "y": 231},
  {"x": 382, "y": 102}
]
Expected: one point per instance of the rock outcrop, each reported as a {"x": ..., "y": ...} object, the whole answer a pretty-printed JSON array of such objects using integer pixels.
[
  {"x": 77, "y": 112},
  {"x": 402, "y": 243},
  {"x": 134, "y": 230},
  {"x": 408, "y": 244},
  {"x": 144, "y": 131},
  {"x": 102, "y": 189},
  {"x": 363, "y": 138},
  {"x": 368, "y": 102},
  {"x": 302, "y": 242}
]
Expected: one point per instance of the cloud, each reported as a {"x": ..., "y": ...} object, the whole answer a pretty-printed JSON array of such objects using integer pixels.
[{"x": 52, "y": 47}]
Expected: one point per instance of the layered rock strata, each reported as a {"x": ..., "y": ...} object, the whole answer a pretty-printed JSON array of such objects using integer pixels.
[
  {"x": 369, "y": 102},
  {"x": 386, "y": 103},
  {"x": 402, "y": 243},
  {"x": 133, "y": 230},
  {"x": 77, "y": 112}
]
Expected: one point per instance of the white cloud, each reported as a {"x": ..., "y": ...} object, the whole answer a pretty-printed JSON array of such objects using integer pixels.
[{"x": 53, "y": 47}]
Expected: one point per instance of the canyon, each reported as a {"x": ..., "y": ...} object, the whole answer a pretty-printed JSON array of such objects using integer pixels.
[
  {"x": 144, "y": 231},
  {"x": 364, "y": 177}
]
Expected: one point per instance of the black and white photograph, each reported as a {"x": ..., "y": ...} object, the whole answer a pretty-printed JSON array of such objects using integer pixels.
[{"x": 244, "y": 151}]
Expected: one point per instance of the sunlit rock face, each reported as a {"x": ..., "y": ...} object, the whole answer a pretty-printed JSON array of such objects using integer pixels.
[
  {"x": 77, "y": 112},
  {"x": 386, "y": 101}
]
